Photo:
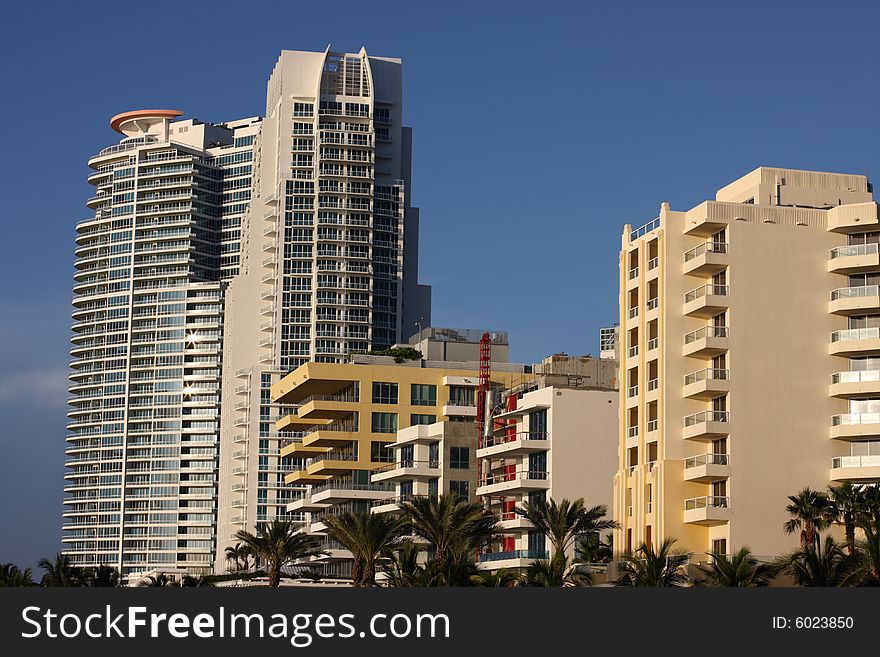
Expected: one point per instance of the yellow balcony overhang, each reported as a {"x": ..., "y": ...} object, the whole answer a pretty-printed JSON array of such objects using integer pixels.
[
  {"x": 303, "y": 477},
  {"x": 328, "y": 438},
  {"x": 294, "y": 422},
  {"x": 298, "y": 449}
]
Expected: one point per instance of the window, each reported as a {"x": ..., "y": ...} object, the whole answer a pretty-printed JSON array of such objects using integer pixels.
[
  {"x": 422, "y": 419},
  {"x": 460, "y": 488},
  {"x": 459, "y": 457},
  {"x": 719, "y": 546},
  {"x": 538, "y": 425},
  {"x": 433, "y": 488},
  {"x": 384, "y": 393},
  {"x": 461, "y": 396},
  {"x": 406, "y": 490},
  {"x": 379, "y": 453},
  {"x": 384, "y": 423},
  {"x": 407, "y": 456},
  {"x": 423, "y": 394}
]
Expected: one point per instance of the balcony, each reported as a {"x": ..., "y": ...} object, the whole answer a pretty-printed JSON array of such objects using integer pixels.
[
  {"x": 705, "y": 468},
  {"x": 855, "y": 300},
  {"x": 705, "y": 259},
  {"x": 521, "y": 442},
  {"x": 511, "y": 559},
  {"x": 408, "y": 469},
  {"x": 459, "y": 410},
  {"x": 706, "y": 300},
  {"x": 706, "y": 383},
  {"x": 852, "y": 342},
  {"x": 855, "y": 468},
  {"x": 853, "y": 218},
  {"x": 854, "y": 259},
  {"x": 855, "y": 426},
  {"x": 707, "y": 341},
  {"x": 706, "y": 425},
  {"x": 707, "y": 511},
  {"x": 855, "y": 384},
  {"x": 525, "y": 480}
]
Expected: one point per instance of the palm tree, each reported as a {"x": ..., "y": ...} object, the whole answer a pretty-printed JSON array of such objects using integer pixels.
[
  {"x": 809, "y": 511},
  {"x": 239, "y": 554},
  {"x": 156, "y": 581},
  {"x": 12, "y": 576},
  {"x": 278, "y": 543},
  {"x": 557, "y": 572},
  {"x": 870, "y": 553},
  {"x": 870, "y": 511},
  {"x": 740, "y": 570},
  {"x": 455, "y": 569},
  {"x": 367, "y": 536},
  {"x": 500, "y": 578},
  {"x": 847, "y": 503},
  {"x": 402, "y": 564},
  {"x": 815, "y": 565},
  {"x": 451, "y": 525},
  {"x": 101, "y": 577},
  {"x": 562, "y": 522},
  {"x": 60, "y": 572},
  {"x": 588, "y": 552},
  {"x": 647, "y": 567},
  {"x": 202, "y": 581}
]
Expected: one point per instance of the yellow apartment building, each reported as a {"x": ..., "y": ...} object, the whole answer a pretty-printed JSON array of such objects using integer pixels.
[{"x": 750, "y": 359}]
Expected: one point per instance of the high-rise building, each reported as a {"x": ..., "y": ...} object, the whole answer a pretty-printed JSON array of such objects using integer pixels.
[
  {"x": 230, "y": 252},
  {"x": 147, "y": 334},
  {"x": 608, "y": 336},
  {"x": 749, "y": 344},
  {"x": 329, "y": 261}
]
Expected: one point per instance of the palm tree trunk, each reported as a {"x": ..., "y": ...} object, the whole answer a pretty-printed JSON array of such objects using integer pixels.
[
  {"x": 851, "y": 537},
  {"x": 369, "y": 576},
  {"x": 274, "y": 575},
  {"x": 357, "y": 572}
]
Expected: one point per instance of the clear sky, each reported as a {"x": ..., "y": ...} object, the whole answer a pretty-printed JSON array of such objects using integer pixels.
[{"x": 540, "y": 129}]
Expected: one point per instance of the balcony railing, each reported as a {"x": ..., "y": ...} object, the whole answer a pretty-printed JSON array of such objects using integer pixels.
[
  {"x": 707, "y": 247},
  {"x": 632, "y": 432},
  {"x": 633, "y": 273},
  {"x": 520, "y": 435},
  {"x": 633, "y": 351},
  {"x": 653, "y": 384},
  {"x": 855, "y": 376},
  {"x": 707, "y": 374},
  {"x": 855, "y": 292},
  {"x": 652, "y": 304},
  {"x": 706, "y": 459},
  {"x": 871, "y": 333},
  {"x": 653, "y": 343},
  {"x": 706, "y": 416},
  {"x": 653, "y": 263},
  {"x": 652, "y": 425},
  {"x": 854, "y": 250},
  {"x": 632, "y": 391},
  {"x": 409, "y": 463},
  {"x": 514, "y": 554},
  {"x": 707, "y": 332},
  {"x": 871, "y": 461},
  {"x": 654, "y": 224},
  {"x": 707, "y": 502},
  {"x": 502, "y": 477},
  {"x": 855, "y": 418},
  {"x": 705, "y": 290}
]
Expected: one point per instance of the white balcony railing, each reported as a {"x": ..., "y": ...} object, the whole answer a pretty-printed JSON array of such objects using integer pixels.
[
  {"x": 706, "y": 247},
  {"x": 854, "y": 250},
  {"x": 871, "y": 461},
  {"x": 707, "y": 502},
  {"x": 855, "y": 376},
  {"x": 857, "y": 292},
  {"x": 706, "y": 416},
  {"x": 855, "y": 418},
  {"x": 706, "y": 290},
  {"x": 706, "y": 459},
  {"x": 706, "y": 332},
  {"x": 846, "y": 335},
  {"x": 707, "y": 374}
]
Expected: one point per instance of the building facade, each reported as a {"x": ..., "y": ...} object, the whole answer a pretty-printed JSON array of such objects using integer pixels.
[
  {"x": 347, "y": 424},
  {"x": 553, "y": 438},
  {"x": 749, "y": 344},
  {"x": 329, "y": 264}
]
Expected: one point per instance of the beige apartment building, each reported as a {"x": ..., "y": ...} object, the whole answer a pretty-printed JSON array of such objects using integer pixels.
[{"x": 750, "y": 359}]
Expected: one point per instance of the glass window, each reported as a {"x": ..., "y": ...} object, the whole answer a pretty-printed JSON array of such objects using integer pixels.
[
  {"x": 422, "y": 419},
  {"x": 538, "y": 425},
  {"x": 423, "y": 394},
  {"x": 384, "y": 393},
  {"x": 379, "y": 453},
  {"x": 384, "y": 423},
  {"x": 459, "y": 488},
  {"x": 461, "y": 396},
  {"x": 459, "y": 457},
  {"x": 433, "y": 486}
]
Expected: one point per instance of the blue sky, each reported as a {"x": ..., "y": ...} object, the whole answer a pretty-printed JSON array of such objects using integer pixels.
[{"x": 540, "y": 129}]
